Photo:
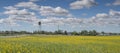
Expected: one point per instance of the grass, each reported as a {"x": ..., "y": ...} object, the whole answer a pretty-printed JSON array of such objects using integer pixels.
[{"x": 60, "y": 44}]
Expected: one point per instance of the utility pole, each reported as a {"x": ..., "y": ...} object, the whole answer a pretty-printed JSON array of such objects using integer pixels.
[
  {"x": 10, "y": 28},
  {"x": 58, "y": 27}
]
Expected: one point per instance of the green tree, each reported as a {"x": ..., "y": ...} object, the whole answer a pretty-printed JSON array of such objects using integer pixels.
[
  {"x": 75, "y": 33},
  {"x": 84, "y": 32},
  {"x": 103, "y": 33},
  {"x": 58, "y": 32},
  {"x": 65, "y": 32},
  {"x": 94, "y": 33}
]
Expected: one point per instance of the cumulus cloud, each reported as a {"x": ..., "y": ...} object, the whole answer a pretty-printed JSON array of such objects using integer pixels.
[
  {"x": 102, "y": 15},
  {"x": 28, "y": 19},
  {"x": 13, "y": 19},
  {"x": 44, "y": 10},
  {"x": 29, "y": 5},
  {"x": 1, "y": 21},
  {"x": 18, "y": 12},
  {"x": 21, "y": 13},
  {"x": 82, "y": 4},
  {"x": 117, "y": 2},
  {"x": 10, "y": 8},
  {"x": 50, "y": 11},
  {"x": 113, "y": 18},
  {"x": 8, "y": 21},
  {"x": 56, "y": 15},
  {"x": 114, "y": 13},
  {"x": 61, "y": 21}
]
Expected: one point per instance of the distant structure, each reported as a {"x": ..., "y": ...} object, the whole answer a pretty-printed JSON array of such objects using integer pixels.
[
  {"x": 58, "y": 27},
  {"x": 10, "y": 28},
  {"x": 39, "y": 23}
]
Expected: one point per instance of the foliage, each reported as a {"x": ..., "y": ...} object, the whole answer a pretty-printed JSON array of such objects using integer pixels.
[
  {"x": 75, "y": 33},
  {"x": 58, "y": 32}
]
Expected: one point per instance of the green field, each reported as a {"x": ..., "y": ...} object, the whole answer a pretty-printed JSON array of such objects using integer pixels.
[{"x": 60, "y": 44}]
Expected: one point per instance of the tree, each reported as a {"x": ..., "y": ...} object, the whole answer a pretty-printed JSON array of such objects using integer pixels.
[
  {"x": 103, "y": 33},
  {"x": 91, "y": 33},
  {"x": 65, "y": 32},
  {"x": 58, "y": 32},
  {"x": 94, "y": 33},
  {"x": 84, "y": 32},
  {"x": 75, "y": 33}
]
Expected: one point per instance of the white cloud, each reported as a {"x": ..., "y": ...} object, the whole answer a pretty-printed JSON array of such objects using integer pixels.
[
  {"x": 13, "y": 19},
  {"x": 56, "y": 15},
  {"x": 27, "y": 19},
  {"x": 29, "y": 5},
  {"x": 61, "y": 21},
  {"x": 16, "y": 15},
  {"x": 1, "y": 21},
  {"x": 50, "y": 11},
  {"x": 8, "y": 21},
  {"x": 10, "y": 8},
  {"x": 113, "y": 18},
  {"x": 45, "y": 10},
  {"x": 114, "y": 13},
  {"x": 82, "y": 4},
  {"x": 11, "y": 12},
  {"x": 18, "y": 12},
  {"x": 21, "y": 13},
  {"x": 117, "y": 2},
  {"x": 102, "y": 15}
]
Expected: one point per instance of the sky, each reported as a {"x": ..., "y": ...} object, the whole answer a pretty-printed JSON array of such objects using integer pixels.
[{"x": 70, "y": 15}]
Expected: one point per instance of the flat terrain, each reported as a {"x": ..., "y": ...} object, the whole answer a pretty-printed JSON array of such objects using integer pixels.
[{"x": 60, "y": 44}]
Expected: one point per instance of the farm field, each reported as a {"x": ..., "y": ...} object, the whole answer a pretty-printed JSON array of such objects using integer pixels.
[{"x": 60, "y": 44}]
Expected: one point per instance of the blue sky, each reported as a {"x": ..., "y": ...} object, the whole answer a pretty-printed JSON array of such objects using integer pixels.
[{"x": 70, "y": 15}]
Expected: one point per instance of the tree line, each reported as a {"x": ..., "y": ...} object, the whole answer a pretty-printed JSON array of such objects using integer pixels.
[{"x": 59, "y": 32}]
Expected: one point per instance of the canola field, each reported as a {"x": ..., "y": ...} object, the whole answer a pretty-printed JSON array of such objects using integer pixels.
[{"x": 60, "y": 44}]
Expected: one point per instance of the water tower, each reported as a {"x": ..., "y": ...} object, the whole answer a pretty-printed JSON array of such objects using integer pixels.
[{"x": 39, "y": 23}]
